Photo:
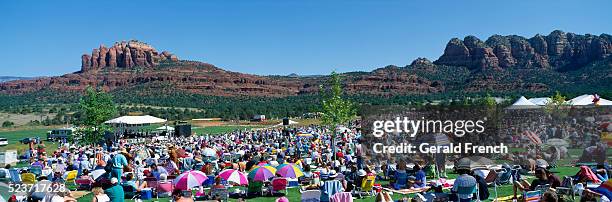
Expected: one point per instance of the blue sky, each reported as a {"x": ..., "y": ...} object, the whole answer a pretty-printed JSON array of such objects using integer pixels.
[{"x": 274, "y": 37}]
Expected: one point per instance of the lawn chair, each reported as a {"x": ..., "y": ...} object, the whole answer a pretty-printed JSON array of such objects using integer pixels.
[
  {"x": 255, "y": 188},
  {"x": 342, "y": 197},
  {"x": 491, "y": 179},
  {"x": 83, "y": 184},
  {"x": 367, "y": 185},
  {"x": 164, "y": 189},
  {"x": 329, "y": 188},
  {"x": 28, "y": 178},
  {"x": 130, "y": 192},
  {"x": 467, "y": 190},
  {"x": 311, "y": 196},
  {"x": 566, "y": 188},
  {"x": 529, "y": 196},
  {"x": 279, "y": 184},
  {"x": 536, "y": 194},
  {"x": 401, "y": 181},
  {"x": 504, "y": 177},
  {"x": 71, "y": 176},
  {"x": 221, "y": 194},
  {"x": 37, "y": 170},
  {"x": 209, "y": 181},
  {"x": 15, "y": 177}
]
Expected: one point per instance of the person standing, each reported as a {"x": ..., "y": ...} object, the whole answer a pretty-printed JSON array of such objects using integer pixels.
[{"x": 118, "y": 162}]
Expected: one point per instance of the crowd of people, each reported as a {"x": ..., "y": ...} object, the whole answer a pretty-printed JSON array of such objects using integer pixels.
[{"x": 115, "y": 170}]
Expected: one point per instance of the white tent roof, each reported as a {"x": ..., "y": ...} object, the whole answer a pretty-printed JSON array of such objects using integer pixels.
[
  {"x": 135, "y": 120},
  {"x": 540, "y": 100},
  {"x": 604, "y": 102},
  {"x": 523, "y": 103},
  {"x": 585, "y": 99}
]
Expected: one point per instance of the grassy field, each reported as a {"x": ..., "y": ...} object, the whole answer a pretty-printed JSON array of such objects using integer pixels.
[{"x": 15, "y": 135}]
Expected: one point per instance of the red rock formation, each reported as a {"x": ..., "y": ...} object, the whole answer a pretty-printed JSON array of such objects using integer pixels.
[
  {"x": 124, "y": 55},
  {"x": 558, "y": 50}
]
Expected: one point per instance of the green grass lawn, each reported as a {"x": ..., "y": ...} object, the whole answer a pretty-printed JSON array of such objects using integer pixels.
[{"x": 14, "y": 136}]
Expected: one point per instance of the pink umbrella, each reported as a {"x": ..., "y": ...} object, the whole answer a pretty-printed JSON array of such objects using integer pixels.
[
  {"x": 234, "y": 176},
  {"x": 189, "y": 179},
  {"x": 262, "y": 173}
]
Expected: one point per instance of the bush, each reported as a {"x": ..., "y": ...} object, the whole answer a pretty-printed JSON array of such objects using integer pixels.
[{"x": 7, "y": 124}]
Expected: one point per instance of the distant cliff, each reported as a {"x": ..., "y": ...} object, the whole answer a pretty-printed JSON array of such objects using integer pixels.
[{"x": 558, "y": 51}]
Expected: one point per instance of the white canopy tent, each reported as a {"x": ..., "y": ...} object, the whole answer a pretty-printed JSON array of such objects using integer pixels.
[
  {"x": 541, "y": 101},
  {"x": 136, "y": 120},
  {"x": 523, "y": 103},
  {"x": 587, "y": 99}
]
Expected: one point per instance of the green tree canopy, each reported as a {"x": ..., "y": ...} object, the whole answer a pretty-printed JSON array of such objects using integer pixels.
[{"x": 96, "y": 107}]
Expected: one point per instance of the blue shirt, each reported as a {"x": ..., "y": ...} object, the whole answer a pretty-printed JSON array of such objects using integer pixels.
[
  {"x": 420, "y": 176},
  {"x": 119, "y": 161}
]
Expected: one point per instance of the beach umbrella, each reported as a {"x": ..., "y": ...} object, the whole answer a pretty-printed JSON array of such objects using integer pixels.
[
  {"x": 234, "y": 176},
  {"x": 97, "y": 173},
  {"x": 533, "y": 137},
  {"x": 289, "y": 170},
  {"x": 262, "y": 173},
  {"x": 473, "y": 162},
  {"x": 209, "y": 152},
  {"x": 189, "y": 179}
]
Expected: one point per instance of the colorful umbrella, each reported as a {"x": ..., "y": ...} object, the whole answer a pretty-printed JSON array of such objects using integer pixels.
[
  {"x": 234, "y": 176},
  {"x": 289, "y": 171},
  {"x": 262, "y": 173},
  {"x": 189, "y": 179}
]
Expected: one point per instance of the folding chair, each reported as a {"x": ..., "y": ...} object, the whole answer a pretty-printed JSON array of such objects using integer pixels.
[
  {"x": 37, "y": 170},
  {"x": 367, "y": 185},
  {"x": 130, "y": 192},
  {"x": 279, "y": 184},
  {"x": 311, "y": 196},
  {"x": 491, "y": 178},
  {"x": 71, "y": 176},
  {"x": 83, "y": 184},
  {"x": 28, "y": 178},
  {"x": 15, "y": 177},
  {"x": 566, "y": 188}
]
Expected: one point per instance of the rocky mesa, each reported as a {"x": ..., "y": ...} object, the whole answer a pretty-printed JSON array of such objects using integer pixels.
[
  {"x": 124, "y": 55},
  {"x": 558, "y": 51}
]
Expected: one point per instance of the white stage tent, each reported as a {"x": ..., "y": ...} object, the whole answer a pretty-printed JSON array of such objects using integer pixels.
[
  {"x": 587, "y": 99},
  {"x": 135, "y": 120},
  {"x": 539, "y": 100},
  {"x": 523, "y": 103}
]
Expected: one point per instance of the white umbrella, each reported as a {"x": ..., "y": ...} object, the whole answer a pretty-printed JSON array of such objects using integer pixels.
[
  {"x": 209, "y": 152},
  {"x": 97, "y": 173}
]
